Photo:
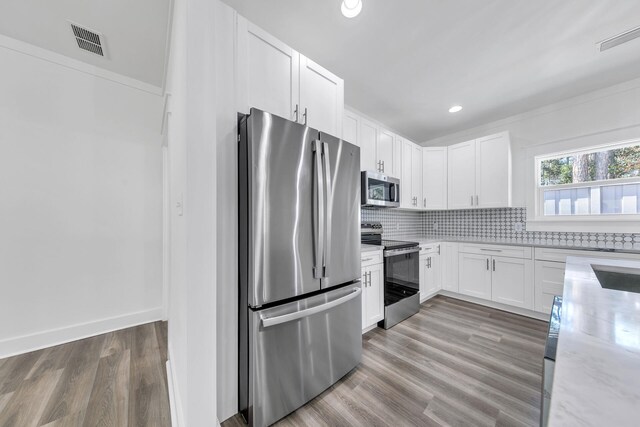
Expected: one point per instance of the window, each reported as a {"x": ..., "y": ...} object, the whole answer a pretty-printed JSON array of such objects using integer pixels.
[{"x": 601, "y": 182}]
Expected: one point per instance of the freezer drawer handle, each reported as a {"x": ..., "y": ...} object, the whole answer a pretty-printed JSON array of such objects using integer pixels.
[{"x": 272, "y": 321}]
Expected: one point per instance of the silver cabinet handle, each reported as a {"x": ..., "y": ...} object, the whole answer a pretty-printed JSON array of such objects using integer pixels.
[
  {"x": 367, "y": 259},
  {"x": 383, "y": 166},
  {"x": 494, "y": 264},
  {"x": 471, "y": 200},
  {"x": 491, "y": 250},
  {"x": 305, "y": 115},
  {"x": 369, "y": 278},
  {"x": 296, "y": 113},
  {"x": 272, "y": 321},
  {"x": 487, "y": 263},
  {"x": 476, "y": 200},
  {"x": 425, "y": 202}
]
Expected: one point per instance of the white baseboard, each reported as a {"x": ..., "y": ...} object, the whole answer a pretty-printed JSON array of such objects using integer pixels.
[
  {"x": 27, "y": 343},
  {"x": 497, "y": 305},
  {"x": 175, "y": 403}
]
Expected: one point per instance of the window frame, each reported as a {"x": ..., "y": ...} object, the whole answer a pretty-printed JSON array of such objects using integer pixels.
[{"x": 619, "y": 223}]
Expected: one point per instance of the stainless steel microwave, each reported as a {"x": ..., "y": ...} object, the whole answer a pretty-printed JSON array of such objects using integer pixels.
[{"x": 379, "y": 190}]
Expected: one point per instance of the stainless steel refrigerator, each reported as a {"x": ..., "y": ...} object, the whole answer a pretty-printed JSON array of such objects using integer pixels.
[{"x": 300, "y": 296}]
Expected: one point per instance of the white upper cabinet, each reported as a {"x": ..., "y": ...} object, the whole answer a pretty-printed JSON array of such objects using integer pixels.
[
  {"x": 479, "y": 173},
  {"x": 380, "y": 150},
  {"x": 268, "y": 72},
  {"x": 368, "y": 142},
  {"x": 461, "y": 160},
  {"x": 411, "y": 176},
  {"x": 406, "y": 178},
  {"x": 385, "y": 151},
  {"x": 416, "y": 175},
  {"x": 351, "y": 128},
  {"x": 277, "y": 79},
  {"x": 321, "y": 97},
  {"x": 434, "y": 178},
  {"x": 493, "y": 171}
]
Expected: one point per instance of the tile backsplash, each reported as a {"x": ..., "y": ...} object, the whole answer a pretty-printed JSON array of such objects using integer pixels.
[{"x": 491, "y": 224}]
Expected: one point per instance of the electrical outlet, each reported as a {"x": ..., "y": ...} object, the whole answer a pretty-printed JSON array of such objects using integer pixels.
[{"x": 518, "y": 226}]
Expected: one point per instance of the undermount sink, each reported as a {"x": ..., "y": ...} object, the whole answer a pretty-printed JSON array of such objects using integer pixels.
[{"x": 618, "y": 278}]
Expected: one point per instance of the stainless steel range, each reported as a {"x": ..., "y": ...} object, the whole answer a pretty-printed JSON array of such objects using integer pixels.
[{"x": 401, "y": 274}]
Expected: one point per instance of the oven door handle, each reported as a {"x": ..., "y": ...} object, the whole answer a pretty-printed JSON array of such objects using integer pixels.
[{"x": 394, "y": 252}]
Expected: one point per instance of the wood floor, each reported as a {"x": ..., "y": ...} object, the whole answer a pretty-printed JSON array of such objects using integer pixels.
[
  {"x": 454, "y": 363},
  {"x": 116, "y": 379}
]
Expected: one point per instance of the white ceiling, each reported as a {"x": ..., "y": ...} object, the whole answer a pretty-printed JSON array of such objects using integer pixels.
[
  {"x": 405, "y": 62},
  {"x": 135, "y": 31}
]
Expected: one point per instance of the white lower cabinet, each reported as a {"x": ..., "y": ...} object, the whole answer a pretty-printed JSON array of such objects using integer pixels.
[
  {"x": 549, "y": 281},
  {"x": 430, "y": 275},
  {"x": 511, "y": 281},
  {"x": 502, "y": 279},
  {"x": 449, "y": 266},
  {"x": 372, "y": 295},
  {"x": 474, "y": 275}
]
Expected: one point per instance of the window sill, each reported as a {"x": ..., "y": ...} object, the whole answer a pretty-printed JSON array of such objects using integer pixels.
[{"x": 580, "y": 225}]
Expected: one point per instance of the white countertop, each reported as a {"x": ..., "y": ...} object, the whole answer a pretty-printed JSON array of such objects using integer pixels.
[
  {"x": 597, "y": 372},
  {"x": 370, "y": 248}
]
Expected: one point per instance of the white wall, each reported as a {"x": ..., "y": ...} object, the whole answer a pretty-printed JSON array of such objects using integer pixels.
[
  {"x": 604, "y": 116},
  {"x": 191, "y": 139},
  {"x": 227, "y": 215},
  {"x": 80, "y": 204}
]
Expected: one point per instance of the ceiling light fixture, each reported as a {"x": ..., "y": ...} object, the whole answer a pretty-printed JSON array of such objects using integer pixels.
[
  {"x": 455, "y": 109},
  {"x": 351, "y": 8}
]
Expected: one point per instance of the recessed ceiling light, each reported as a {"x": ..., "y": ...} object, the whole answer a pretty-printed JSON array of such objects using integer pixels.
[
  {"x": 351, "y": 8},
  {"x": 455, "y": 109}
]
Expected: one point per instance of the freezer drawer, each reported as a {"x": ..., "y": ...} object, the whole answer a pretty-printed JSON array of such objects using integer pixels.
[{"x": 299, "y": 349}]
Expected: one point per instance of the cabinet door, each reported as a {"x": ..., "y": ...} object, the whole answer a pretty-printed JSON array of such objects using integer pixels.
[
  {"x": 268, "y": 73},
  {"x": 475, "y": 275},
  {"x": 449, "y": 264},
  {"x": 368, "y": 140},
  {"x": 493, "y": 171},
  {"x": 511, "y": 282},
  {"x": 375, "y": 295},
  {"x": 365, "y": 292},
  {"x": 321, "y": 97},
  {"x": 397, "y": 157},
  {"x": 434, "y": 178},
  {"x": 461, "y": 173},
  {"x": 406, "y": 180},
  {"x": 430, "y": 282},
  {"x": 385, "y": 152},
  {"x": 416, "y": 175},
  {"x": 351, "y": 128},
  {"x": 549, "y": 281}
]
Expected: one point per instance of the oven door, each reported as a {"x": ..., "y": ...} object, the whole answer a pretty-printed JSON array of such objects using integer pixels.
[
  {"x": 401, "y": 285},
  {"x": 379, "y": 190}
]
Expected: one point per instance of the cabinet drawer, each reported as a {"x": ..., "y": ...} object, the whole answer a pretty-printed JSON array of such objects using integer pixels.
[
  {"x": 560, "y": 255},
  {"x": 371, "y": 258},
  {"x": 497, "y": 250},
  {"x": 429, "y": 248}
]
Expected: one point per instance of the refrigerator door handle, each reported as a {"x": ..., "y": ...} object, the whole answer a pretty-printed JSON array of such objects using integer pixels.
[
  {"x": 328, "y": 207},
  {"x": 285, "y": 318},
  {"x": 318, "y": 212}
]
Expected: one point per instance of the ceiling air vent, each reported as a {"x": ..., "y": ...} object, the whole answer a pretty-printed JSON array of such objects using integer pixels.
[
  {"x": 619, "y": 39},
  {"x": 88, "y": 40}
]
